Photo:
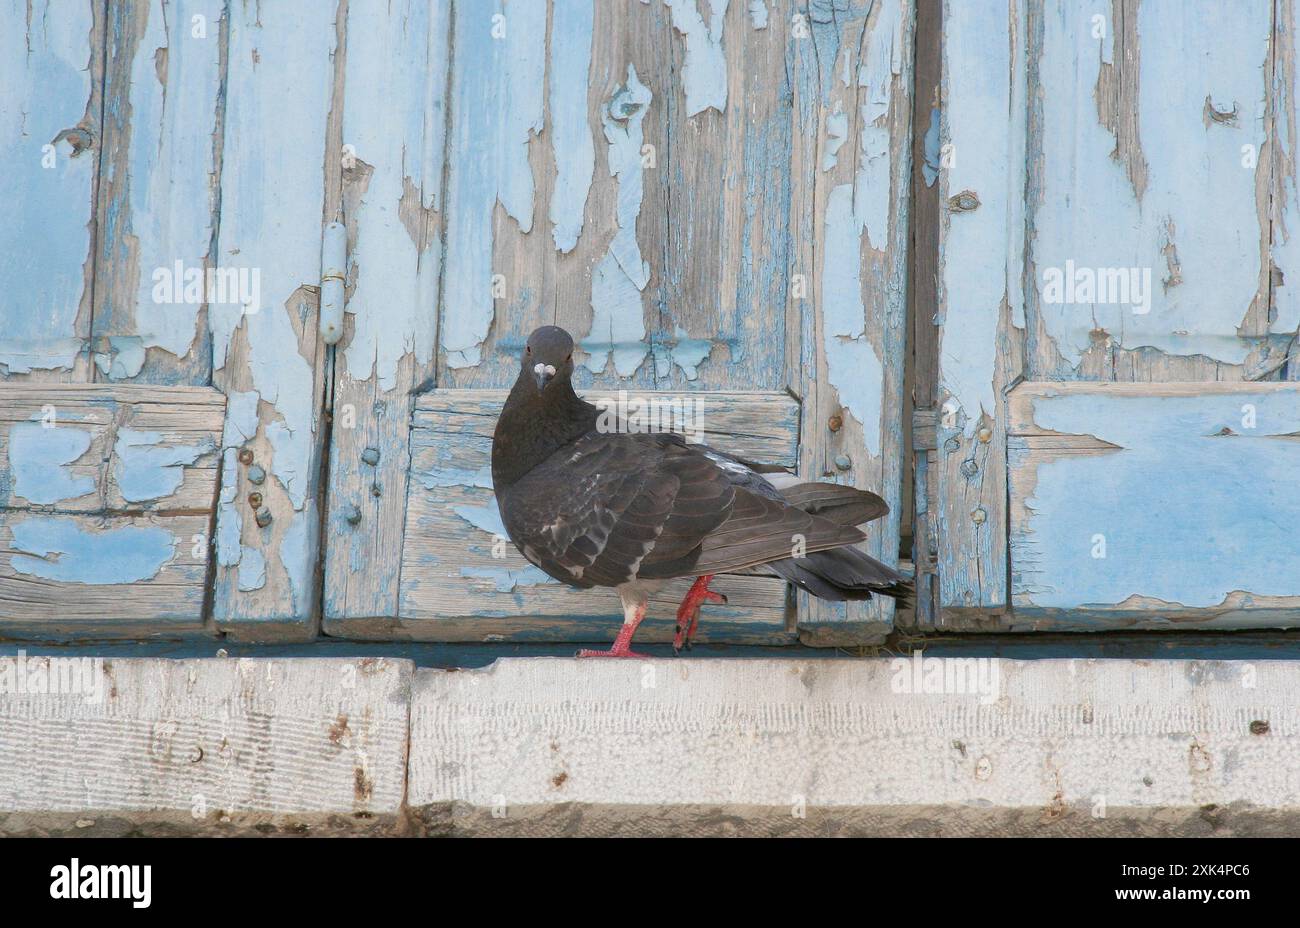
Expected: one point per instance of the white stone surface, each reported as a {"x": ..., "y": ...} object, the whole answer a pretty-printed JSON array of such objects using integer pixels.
[
  {"x": 204, "y": 746},
  {"x": 832, "y": 746}
]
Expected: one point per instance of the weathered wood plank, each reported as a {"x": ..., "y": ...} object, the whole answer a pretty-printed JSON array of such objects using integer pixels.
[
  {"x": 109, "y": 449},
  {"x": 852, "y": 292},
  {"x": 394, "y": 133},
  {"x": 51, "y": 73},
  {"x": 461, "y": 579},
  {"x": 216, "y": 746},
  {"x": 119, "y": 576},
  {"x": 726, "y": 274},
  {"x": 923, "y": 299},
  {"x": 1117, "y": 488},
  {"x": 983, "y": 120},
  {"x": 158, "y": 193},
  {"x": 106, "y": 504},
  {"x": 267, "y": 356},
  {"x": 1165, "y": 276}
]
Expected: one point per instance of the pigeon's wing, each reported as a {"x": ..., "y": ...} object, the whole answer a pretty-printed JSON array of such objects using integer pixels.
[
  {"x": 757, "y": 530},
  {"x": 596, "y": 512}
]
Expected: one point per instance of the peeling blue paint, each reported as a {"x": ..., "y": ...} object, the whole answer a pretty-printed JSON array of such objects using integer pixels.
[
  {"x": 853, "y": 365},
  {"x": 487, "y": 518},
  {"x": 618, "y": 321},
  {"x": 252, "y": 570},
  {"x": 930, "y": 169},
  {"x": 456, "y": 477},
  {"x": 571, "y": 138},
  {"x": 704, "y": 74},
  {"x": 1178, "y": 491},
  {"x": 45, "y": 70},
  {"x": 506, "y": 579},
  {"x": 758, "y": 14},
  {"x": 57, "y": 548},
  {"x": 148, "y": 469},
  {"x": 39, "y": 456},
  {"x": 496, "y": 108}
]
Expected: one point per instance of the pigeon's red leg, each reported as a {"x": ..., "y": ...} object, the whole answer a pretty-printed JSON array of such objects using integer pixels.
[
  {"x": 688, "y": 613},
  {"x": 623, "y": 643}
]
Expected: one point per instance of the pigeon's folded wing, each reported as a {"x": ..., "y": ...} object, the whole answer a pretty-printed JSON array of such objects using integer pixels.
[{"x": 595, "y": 512}]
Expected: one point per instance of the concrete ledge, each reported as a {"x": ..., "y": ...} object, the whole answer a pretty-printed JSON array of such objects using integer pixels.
[
  {"x": 552, "y": 746},
  {"x": 858, "y": 747},
  {"x": 216, "y": 746}
]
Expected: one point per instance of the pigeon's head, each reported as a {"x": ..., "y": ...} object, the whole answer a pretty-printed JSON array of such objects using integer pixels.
[{"x": 548, "y": 356}]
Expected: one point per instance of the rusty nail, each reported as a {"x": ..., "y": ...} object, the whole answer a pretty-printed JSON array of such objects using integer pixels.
[
  {"x": 843, "y": 461},
  {"x": 979, "y": 515},
  {"x": 985, "y": 434},
  {"x": 245, "y": 455},
  {"x": 952, "y": 445},
  {"x": 835, "y": 422},
  {"x": 256, "y": 474},
  {"x": 969, "y": 468},
  {"x": 255, "y": 500},
  {"x": 263, "y": 518},
  {"x": 370, "y": 456},
  {"x": 1259, "y": 727},
  {"x": 375, "y": 490},
  {"x": 351, "y": 514}
]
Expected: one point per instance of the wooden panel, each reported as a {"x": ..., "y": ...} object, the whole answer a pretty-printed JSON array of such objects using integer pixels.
[
  {"x": 461, "y": 579},
  {"x": 980, "y": 240},
  {"x": 626, "y": 175},
  {"x": 109, "y": 449},
  {"x": 158, "y": 193},
  {"x": 1149, "y": 192},
  {"x": 852, "y": 175},
  {"x": 267, "y": 356},
  {"x": 104, "y": 489},
  {"x": 1149, "y": 505},
  {"x": 394, "y": 128},
  {"x": 51, "y": 76}
]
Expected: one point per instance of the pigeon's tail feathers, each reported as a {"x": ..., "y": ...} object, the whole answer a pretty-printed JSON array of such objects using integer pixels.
[
  {"x": 841, "y": 574},
  {"x": 840, "y": 504}
]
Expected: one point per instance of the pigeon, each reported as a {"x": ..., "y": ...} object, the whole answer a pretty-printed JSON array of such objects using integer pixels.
[{"x": 598, "y": 506}]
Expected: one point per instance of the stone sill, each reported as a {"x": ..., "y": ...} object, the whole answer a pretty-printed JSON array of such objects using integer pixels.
[{"x": 541, "y": 746}]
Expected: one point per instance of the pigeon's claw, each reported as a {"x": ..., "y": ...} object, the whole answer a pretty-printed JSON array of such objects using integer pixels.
[{"x": 688, "y": 613}]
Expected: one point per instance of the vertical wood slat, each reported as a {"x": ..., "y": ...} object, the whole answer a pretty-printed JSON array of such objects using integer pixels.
[
  {"x": 853, "y": 113},
  {"x": 923, "y": 294},
  {"x": 51, "y": 73},
  {"x": 158, "y": 191},
  {"x": 394, "y": 137},
  {"x": 268, "y": 358},
  {"x": 983, "y": 119},
  {"x": 655, "y": 304}
]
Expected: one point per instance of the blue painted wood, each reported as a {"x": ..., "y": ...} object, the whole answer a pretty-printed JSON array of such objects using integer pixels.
[
  {"x": 50, "y": 77},
  {"x": 1137, "y": 505}
]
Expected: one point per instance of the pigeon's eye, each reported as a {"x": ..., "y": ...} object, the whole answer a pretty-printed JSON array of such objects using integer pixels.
[
  {"x": 569, "y": 358},
  {"x": 528, "y": 349}
]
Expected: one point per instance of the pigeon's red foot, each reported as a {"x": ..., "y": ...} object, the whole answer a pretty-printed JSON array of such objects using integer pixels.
[
  {"x": 688, "y": 613},
  {"x": 623, "y": 643}
]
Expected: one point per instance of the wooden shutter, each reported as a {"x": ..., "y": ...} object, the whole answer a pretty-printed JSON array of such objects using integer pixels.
[
  {"x": 711, "y": 198},
  {"x": 1102, "y": 458}
]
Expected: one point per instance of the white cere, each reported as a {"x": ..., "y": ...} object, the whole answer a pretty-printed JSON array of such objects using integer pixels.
[{"x": 547, "y": 369}]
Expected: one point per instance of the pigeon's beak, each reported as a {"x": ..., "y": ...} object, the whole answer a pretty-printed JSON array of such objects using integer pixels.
[{"x": 543, "y": 373}]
